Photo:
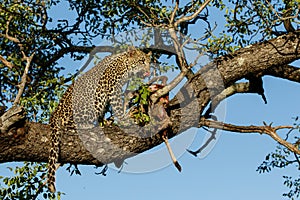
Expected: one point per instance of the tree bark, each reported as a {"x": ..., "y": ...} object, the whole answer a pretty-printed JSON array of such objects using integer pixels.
[{"x": 27, "y": 141}]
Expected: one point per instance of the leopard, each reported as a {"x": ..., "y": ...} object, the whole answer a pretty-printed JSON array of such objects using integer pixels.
[{"x": 88, "y": 98}]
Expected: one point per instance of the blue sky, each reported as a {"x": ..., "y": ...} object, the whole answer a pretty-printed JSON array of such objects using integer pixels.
[{"x": 227, "y": 172}]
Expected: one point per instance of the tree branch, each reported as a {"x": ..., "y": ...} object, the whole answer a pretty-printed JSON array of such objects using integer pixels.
[
  {"x": 72, "y": 49},
  {"x": 195, "y": 14},
  {"x": 267, "y": 129},
  {"x": 7, "y": 36},
  {"x": 182, "y": 63},
  {"x": 174, "y": 12},
  {"x": 229, "y": 91},
  {"x": 24, "y": 77},
  {"x": 285, "y": 71},
  {"x": 6, "y": 63}
]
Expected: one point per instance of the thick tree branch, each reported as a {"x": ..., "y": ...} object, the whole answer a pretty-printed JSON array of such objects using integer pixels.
[{"x": 111, "y": 144}]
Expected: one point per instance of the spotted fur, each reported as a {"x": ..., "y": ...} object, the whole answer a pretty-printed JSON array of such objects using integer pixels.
[{"x": 85, "y": 102}]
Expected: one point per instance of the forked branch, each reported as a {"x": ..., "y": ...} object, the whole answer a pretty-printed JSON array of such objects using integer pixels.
[{"x": 194, "y": 15}]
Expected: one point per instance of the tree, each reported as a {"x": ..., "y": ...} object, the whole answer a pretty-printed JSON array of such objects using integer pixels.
[{"x": 260, "y": 38}]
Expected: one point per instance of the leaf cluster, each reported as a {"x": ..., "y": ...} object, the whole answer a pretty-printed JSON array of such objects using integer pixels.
[
  {"x": 283, "y": 158},
  {"x": 250, "y": 21},
  {"x": 28, "y": 182},
  {"x": 294, "y": 185}
]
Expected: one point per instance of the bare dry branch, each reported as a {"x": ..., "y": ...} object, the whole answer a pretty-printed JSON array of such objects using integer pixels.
[
  {"x": 211, "y": 138},
  {"x": 168, "y": 87},
  {"x": 267, "y": 129}
]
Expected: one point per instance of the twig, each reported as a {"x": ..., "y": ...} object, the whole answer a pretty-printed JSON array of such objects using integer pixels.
[
  {"x": 174, "y": 12},
  {"x": 207, "y": 142}
]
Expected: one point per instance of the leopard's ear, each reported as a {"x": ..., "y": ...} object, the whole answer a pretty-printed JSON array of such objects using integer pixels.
[{"x": 131, "y": 50}]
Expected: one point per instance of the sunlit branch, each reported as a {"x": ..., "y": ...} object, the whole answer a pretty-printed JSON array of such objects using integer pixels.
[
  {"x": 6, "y": 63},
  {"x": 174, "y": 12},
  {"x": 168, "y": 87}
]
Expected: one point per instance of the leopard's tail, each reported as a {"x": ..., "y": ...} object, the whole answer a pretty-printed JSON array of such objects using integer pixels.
[{"x": 53, "y": 159}]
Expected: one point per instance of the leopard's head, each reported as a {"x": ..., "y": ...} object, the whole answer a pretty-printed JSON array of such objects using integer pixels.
[{"x": 139, "y": 62}]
